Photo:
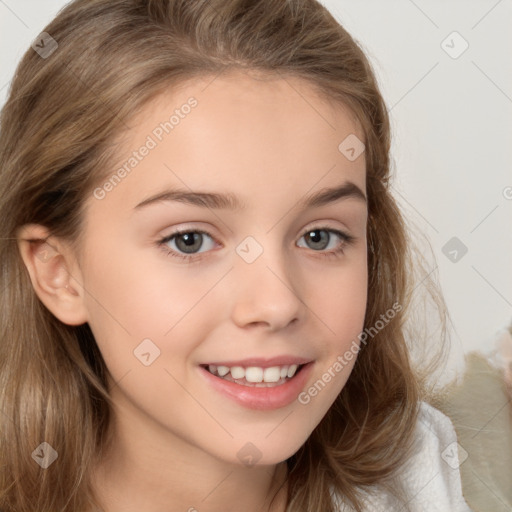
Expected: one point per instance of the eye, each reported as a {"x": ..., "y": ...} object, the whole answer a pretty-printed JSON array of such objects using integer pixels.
[
  {"x": 326, "y": 239},
  {"x": 186, "y": 243}
]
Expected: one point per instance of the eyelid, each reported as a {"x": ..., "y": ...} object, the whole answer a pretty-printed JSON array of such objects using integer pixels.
[
  {"x": 180, "y": 231},
  {"x": 325, "y": 224},
  {"x": 191, "y": 258},
  {"x": 346, "y": 240}
]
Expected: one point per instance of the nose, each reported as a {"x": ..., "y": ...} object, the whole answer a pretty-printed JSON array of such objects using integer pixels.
[{"x": 266, "y": 293}]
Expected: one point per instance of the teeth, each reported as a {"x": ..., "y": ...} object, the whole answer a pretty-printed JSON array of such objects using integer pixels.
[
  {"x": 255, "y": 374},
  {"x": 222, "y": 370},
  {"x": 272, "y": 374},
  {"x": 237, "y": 372},
  {"x": 291, "y": 370}
]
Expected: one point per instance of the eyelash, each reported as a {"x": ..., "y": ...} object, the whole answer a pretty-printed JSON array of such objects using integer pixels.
[{"x": 336, "y": 253}]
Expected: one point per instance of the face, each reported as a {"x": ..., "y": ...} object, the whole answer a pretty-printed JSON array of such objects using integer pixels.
[{"x": 220, "y": 292}]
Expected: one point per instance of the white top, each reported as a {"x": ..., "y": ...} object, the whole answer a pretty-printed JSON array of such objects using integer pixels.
[{"x": 431, "y": 477}]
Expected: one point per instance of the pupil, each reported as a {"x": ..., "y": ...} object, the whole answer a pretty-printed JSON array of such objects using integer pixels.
[
  {"x": 190, "y": 240},
  {"x": 315, "y": 235},
  {"x": 319, "y": 236}
]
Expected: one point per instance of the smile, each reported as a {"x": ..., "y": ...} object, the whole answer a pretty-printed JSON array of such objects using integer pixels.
[
  {"x": 255, "y": 375},
  {"x": 259, "y": 384}
]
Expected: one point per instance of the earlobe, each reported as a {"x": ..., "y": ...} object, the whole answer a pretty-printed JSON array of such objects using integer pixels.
[{"x": 54, "y": 274}]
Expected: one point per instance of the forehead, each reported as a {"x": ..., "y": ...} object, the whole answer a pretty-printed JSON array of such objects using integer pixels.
[{"x": 238, "y": 131}]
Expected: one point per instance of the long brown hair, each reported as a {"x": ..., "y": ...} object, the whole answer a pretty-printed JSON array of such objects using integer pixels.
[{"x": 56, "y": 140}]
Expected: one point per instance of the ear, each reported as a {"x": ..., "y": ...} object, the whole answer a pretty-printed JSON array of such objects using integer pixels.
[{"x": 54, "y": 273}]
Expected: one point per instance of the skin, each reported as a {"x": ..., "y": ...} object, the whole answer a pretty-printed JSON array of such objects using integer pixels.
[{"x": 270, "y": 142}]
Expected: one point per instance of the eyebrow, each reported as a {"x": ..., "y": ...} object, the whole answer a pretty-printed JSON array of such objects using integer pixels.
[{"x": 215, "y": 200}]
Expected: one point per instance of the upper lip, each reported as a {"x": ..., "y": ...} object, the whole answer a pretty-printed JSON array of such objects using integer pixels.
[{"x": 262, "y": 362}]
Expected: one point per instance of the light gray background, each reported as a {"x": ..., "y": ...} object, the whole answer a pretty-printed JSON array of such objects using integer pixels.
[{"x": 452, "y": 128}]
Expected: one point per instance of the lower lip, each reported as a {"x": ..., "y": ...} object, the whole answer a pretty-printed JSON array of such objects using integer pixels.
[{"x": 261, "y": 398}]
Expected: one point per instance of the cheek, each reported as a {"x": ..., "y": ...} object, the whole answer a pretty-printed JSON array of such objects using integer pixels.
[
  {"x": 341, "y": 306},
  {"x": 340, "y": 303},
  {"x": 136, "y": 289},
  {"x": 342, "y": 312},
  {"x": 133, "y": 297}
]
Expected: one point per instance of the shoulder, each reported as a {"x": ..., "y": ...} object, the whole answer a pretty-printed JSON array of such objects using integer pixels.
[
  {"x": 432, "y": 474},
  {"x": 431, "y": 477}
]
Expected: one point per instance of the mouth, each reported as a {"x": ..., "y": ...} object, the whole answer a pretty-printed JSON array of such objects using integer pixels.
[
  {"x": 255, "y": 376},
  {"x": 259, "y": 384}
]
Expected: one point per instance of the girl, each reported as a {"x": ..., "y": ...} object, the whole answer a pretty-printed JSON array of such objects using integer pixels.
[{"x": 205, "y": 277}]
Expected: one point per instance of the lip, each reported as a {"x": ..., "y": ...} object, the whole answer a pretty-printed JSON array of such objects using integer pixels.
[{"x": 261, "y": 398}]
